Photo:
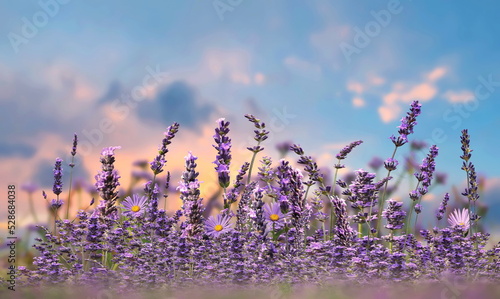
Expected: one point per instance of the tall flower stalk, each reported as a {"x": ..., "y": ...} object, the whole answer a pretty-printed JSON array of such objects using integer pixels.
[
  {"x": 72, "y": 165},
  {"x": 107, "y": 182},
  {"x": 223, "y": 159},
  {"x": 190, "y": 195},
  {"x": 260, "y": 135},
  {"x": 159, "y": 161},
  {"x": 424, "y": 178},
  {"x": 406, "y": 128},
  {"x": 472, "y": 186},
  {"x": 57, "y": 189},
  {"x": 340, "y": 156}
]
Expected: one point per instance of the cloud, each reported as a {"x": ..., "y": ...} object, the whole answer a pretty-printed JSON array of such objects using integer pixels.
[
  {"x": 16, "y": 149},
  {"x": 176, "y": 102},
  {"x": 355, "y": 87},
  {"x": 460, "y": 96},
  {"x": 404, "y": 93},
  {"x": 436, "y": 74},
  {"x": 303, "y": 68},
  {"x": 358, "y": 102}
]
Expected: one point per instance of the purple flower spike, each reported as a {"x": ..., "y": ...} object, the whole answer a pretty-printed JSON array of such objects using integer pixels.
[
  {"x": 216, "y": 226},
  {"x": 260, "y": 133},
  {"x": 346, "y": 150},
  {"x": 55, "y": 204},
  {"x": 442, "y": 207},
  {"x": 107, "y": 180},
  {"x": 159, "y": 161},
  {"x": 394, "y": 214},
  {"x": 407, "y": 124},
  {"x": 58, "y": 177},
  {"x": 223, "y": 148},
  {"x": 75, "y": 143}
]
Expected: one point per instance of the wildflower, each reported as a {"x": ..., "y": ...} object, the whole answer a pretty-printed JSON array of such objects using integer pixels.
[
  {"x": 442, "y": 207},
  {"x": 190, "y": 195},
  {"x": 394, "y": 215},
  {"x": 55, "y": 204},
  {"x": 345, "y": 151},
  {"x": 134, "y": 206},
  {"x": 391, "y": 164},
  {"x": 58, "y": 177},
  {"x": 273, "y": 215},
  {"x": 260, "y": 133},
  {"x": 224, "y": 152},
  {"x": 107, "y": 180},
  {"x": 75, "y": 143},
  {"x": 218, "y": 226},
  {"x": 159, "y": 161},
  {"x": 459, "y": 218},
  {"x": 29, "y": 187},
  {"x": 407, "y": 124}
]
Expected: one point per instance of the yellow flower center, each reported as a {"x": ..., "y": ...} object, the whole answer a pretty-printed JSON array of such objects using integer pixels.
[
  {"x": 218, "y": 228},
  {"x": 135, "y": 209},
  {"x": 274, "y": 217},
  {"x": 461, "y": 223}
]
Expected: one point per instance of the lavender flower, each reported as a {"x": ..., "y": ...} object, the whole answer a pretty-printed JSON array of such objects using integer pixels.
[
  {"x": 407, "y": 124},
  {"x": 260, "y": 133},
  {"x": 159, "y": 161},
  {"x": 223, "y": 148},
  {"x": 217, "y": 226},
  {"x": 460, "y": 218},
  {"x": 311, "y": 167},
  {"x": 107, "y": 180},
  {"x": 442, "y": 207},
  {"x": 343, "y": 231},
  {"x": 58, "y": 177},
  {"x": 427, "y": 169},
  {"x": 75, "y": 143},
  {"x": 362, "y": 193},
  {"x": 134, "y": 206},
  {"x": 394, "y": 214},
  {"x": 29, "y": 187},
  {"x": 190, "y": 195},
  {"x": 391, "y": 164},
  {"x": 345, "y": 151},
  {"x": 55, "y": 204}
]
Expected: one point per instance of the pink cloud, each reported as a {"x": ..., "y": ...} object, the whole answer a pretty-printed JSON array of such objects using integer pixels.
[
  {"x": 460, "y": 96},
  {"x": 355, "y": 87},
  {"x": 358, "y": 102}
]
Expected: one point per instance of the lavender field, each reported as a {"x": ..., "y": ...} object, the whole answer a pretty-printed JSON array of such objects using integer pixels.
[
  {"x": 249, "y": 149},
  {"x": 285, "y": 229}
]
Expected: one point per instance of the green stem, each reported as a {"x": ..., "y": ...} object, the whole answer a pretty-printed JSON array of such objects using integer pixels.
[
  {"x": 382, "y": 198},
  {"x": 251, "y": 165},
  {"x": 69, "y": 190},
  {"x": 334, "y": 184}
]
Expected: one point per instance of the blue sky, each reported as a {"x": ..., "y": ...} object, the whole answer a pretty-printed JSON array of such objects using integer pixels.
[{"x": 284, "y": 61}]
